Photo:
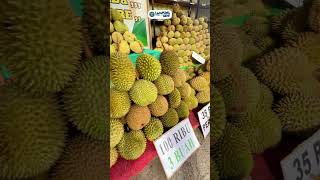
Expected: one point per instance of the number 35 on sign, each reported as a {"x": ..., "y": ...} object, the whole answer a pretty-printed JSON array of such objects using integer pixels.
[
  {"x": 304, "y": 162},
  {"x": 204, "y": 119}
]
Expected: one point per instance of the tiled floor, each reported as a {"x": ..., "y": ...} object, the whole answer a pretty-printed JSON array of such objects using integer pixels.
[{"x": 197, "y": 167}]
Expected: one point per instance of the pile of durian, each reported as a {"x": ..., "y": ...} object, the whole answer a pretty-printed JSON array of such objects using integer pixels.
[
  {"x": 149, "y": 98},
  {"x": 121, "y": 39},
  {"x": 184, "y": 34},
  {"x": 266, "y": 83},
  {"x": 53, "y": 117}
]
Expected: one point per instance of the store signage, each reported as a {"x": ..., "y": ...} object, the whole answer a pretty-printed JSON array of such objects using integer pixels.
[
  {"x": 204, "y": 119},
  {"x": 135, "y": 13},
  {"x": 175, "y": 146},
  {"x": 304, "y": 162},
  {"x": 198, "y": 57},
  {"x": 295, "y": 3},
  {"x": 160, "y": 14}
]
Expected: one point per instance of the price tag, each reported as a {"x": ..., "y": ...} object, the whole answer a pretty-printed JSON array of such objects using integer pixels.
[
  {"x": 204, "y": 119},
  {"x": 198, "y": 57},
  {"x": 295, "y": 3},
  {"x": 304, "y": 162},
  {"x": 175, "y": 146}
]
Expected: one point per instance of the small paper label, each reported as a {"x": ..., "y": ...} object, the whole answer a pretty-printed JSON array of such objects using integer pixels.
[
  {"x": 160, "y": 14},
  {"x": 304, "y": 162},
  {"x": 175, "y": 146},
  {"x": 204, "y": 119},
  {"x": 198, "y": 57},
  {"x": 295, "y": 3}
]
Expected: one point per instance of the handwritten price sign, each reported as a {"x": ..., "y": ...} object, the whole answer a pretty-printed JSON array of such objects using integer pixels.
[
  {"x": 304, "y": 162},
  {"x": 204, "y": 119}
]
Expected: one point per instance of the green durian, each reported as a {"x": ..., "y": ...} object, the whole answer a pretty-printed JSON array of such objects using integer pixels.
[
  {"x": 115, "y": 14},
  {"x": 113, "y": 156},
  {"x": 120, "y": 27},
  {"x": 169, "y": 63},
  {"x": 183, "y": 110},
  {"x": 42, "y": 63},
  {"x": 116, "y": 132},
  {"x": 85, "y": 99},
  {"x": 143, "y": 92},
  {"x": 170, "y": 119},
  {"x": 153, "y": 129},
  {"x": 174, "y": 98},
  {"x": 32, "y": 133},
  {"x": 164, "y": 84},
  {"x": 82, "y": 149},
  {"x": 149, "y": 68},
  {"x": 218, "y": 116},
  {"x": 314, "y": 16},
  {"x": 132, "y": 145}
]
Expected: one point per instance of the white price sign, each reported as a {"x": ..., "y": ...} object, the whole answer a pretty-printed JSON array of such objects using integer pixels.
[
  {"x": 204, "y": 119},
  {"x": 295, "y": 3},
  {"x": 304, "y": 162},
  {"x": 198, "y": 57},
  {"x": 175, "y": 146}
]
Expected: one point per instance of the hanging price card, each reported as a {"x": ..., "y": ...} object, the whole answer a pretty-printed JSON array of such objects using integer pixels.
[
  {"x": 304, "y": 162},
  {"x": 204, "y": 119},
  {"x": 175, "y": 146},
  {"x": 198, "y": 57}
]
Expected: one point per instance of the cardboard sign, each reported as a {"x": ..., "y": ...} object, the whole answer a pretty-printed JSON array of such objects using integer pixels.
[
  {"x": 135, "y": 15},
  {"x": 175, "y": 146},
  {"x": 204, "y": 119},
  {"x": 198, "y": 57},
  {"x": 304, "y": 162},
  {"x": 295, "y": 3}
]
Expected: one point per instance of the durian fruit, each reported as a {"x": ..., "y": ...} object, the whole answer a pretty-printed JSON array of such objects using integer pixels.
[
  {"x": 116, "y": 132},
  {"x": 174, "y": 98},
  {"x": 298, "y": 114},
  {"x": 164, "y": 84},
  {"x": 266, "y": 97},
  {"x": 170, "y": 119},
  {"x": 149, "y": 68},
  {"x": 113, "y": 156},
  {"x": 82, "y": 149},
  {"x": 314, "y": 16},
  {"x": 124, "y": 47},
  {"x": 143, "y": 92},
  {"x": 42, "y": 63},
  {"x": 122, "y": 72},
  {"x": 85, "y": 99},
  {"x": 278, "y": 21},
  {"x": 115, "y": 15},
  {"x": 136, "y": 46},
  {"x": 129, "y": 37},
  {"x": 308, "y": 43},
  {"x": 286, "y": 70},
  {"x": 159, "y": 107},
  {"x": 132, "y": 145},
  {"x": 228, "y": 51},
  {"x": 241, "y": 92},
  {"x": 218, "y": 115},
  {"x": 120, "y": 27},
  {"x": 153, "y": 129},
  {"x": 262, "y": 128},
  {"x": 117, "y": 37},
  {"x": 183, "y": 110},
  {"x": 94, "y": 22},
  {"x": 113, "y": 48},
  {"x": 199, "y": 83},
  {"x": 138, "y": 117},
  {"x": 179, "y": 78},
  {"x": 185, "y": 90},
  {"x": 203, "y": 96},
  {"x": 206, "y": 75},
  {"x": 232, "y": 154},
  {"x": 169, "y": 63},
  {"x": 32, "y": 133}
]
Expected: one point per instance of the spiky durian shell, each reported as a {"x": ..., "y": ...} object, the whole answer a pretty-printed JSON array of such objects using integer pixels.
[
  {"x": 232, "y": 154},
  {"x": 42, "y": 63},
  {"x": 314, "y": 16},
  {"x": 83, "y": 158},
  {"x": 287, "y": 71},
  {"x": 266, "y": 96},
  {"x": 298, "y": 114},
  {"x": 95, "y": 21},
  {"x": 218, "y": 116},
  {"x": 32, "y": 134},
  {"x": 262, "y": 128},
  {"x": 116, "y": 132},
  {"x": 132, "y": 145},
  {"x": 228, "y": 51},
  {"x": 153, "y": 129},
  {"x": 85, "y": 100},
  {"x": 241, "y": 92},
  {"x": 308, "y": 43}
]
